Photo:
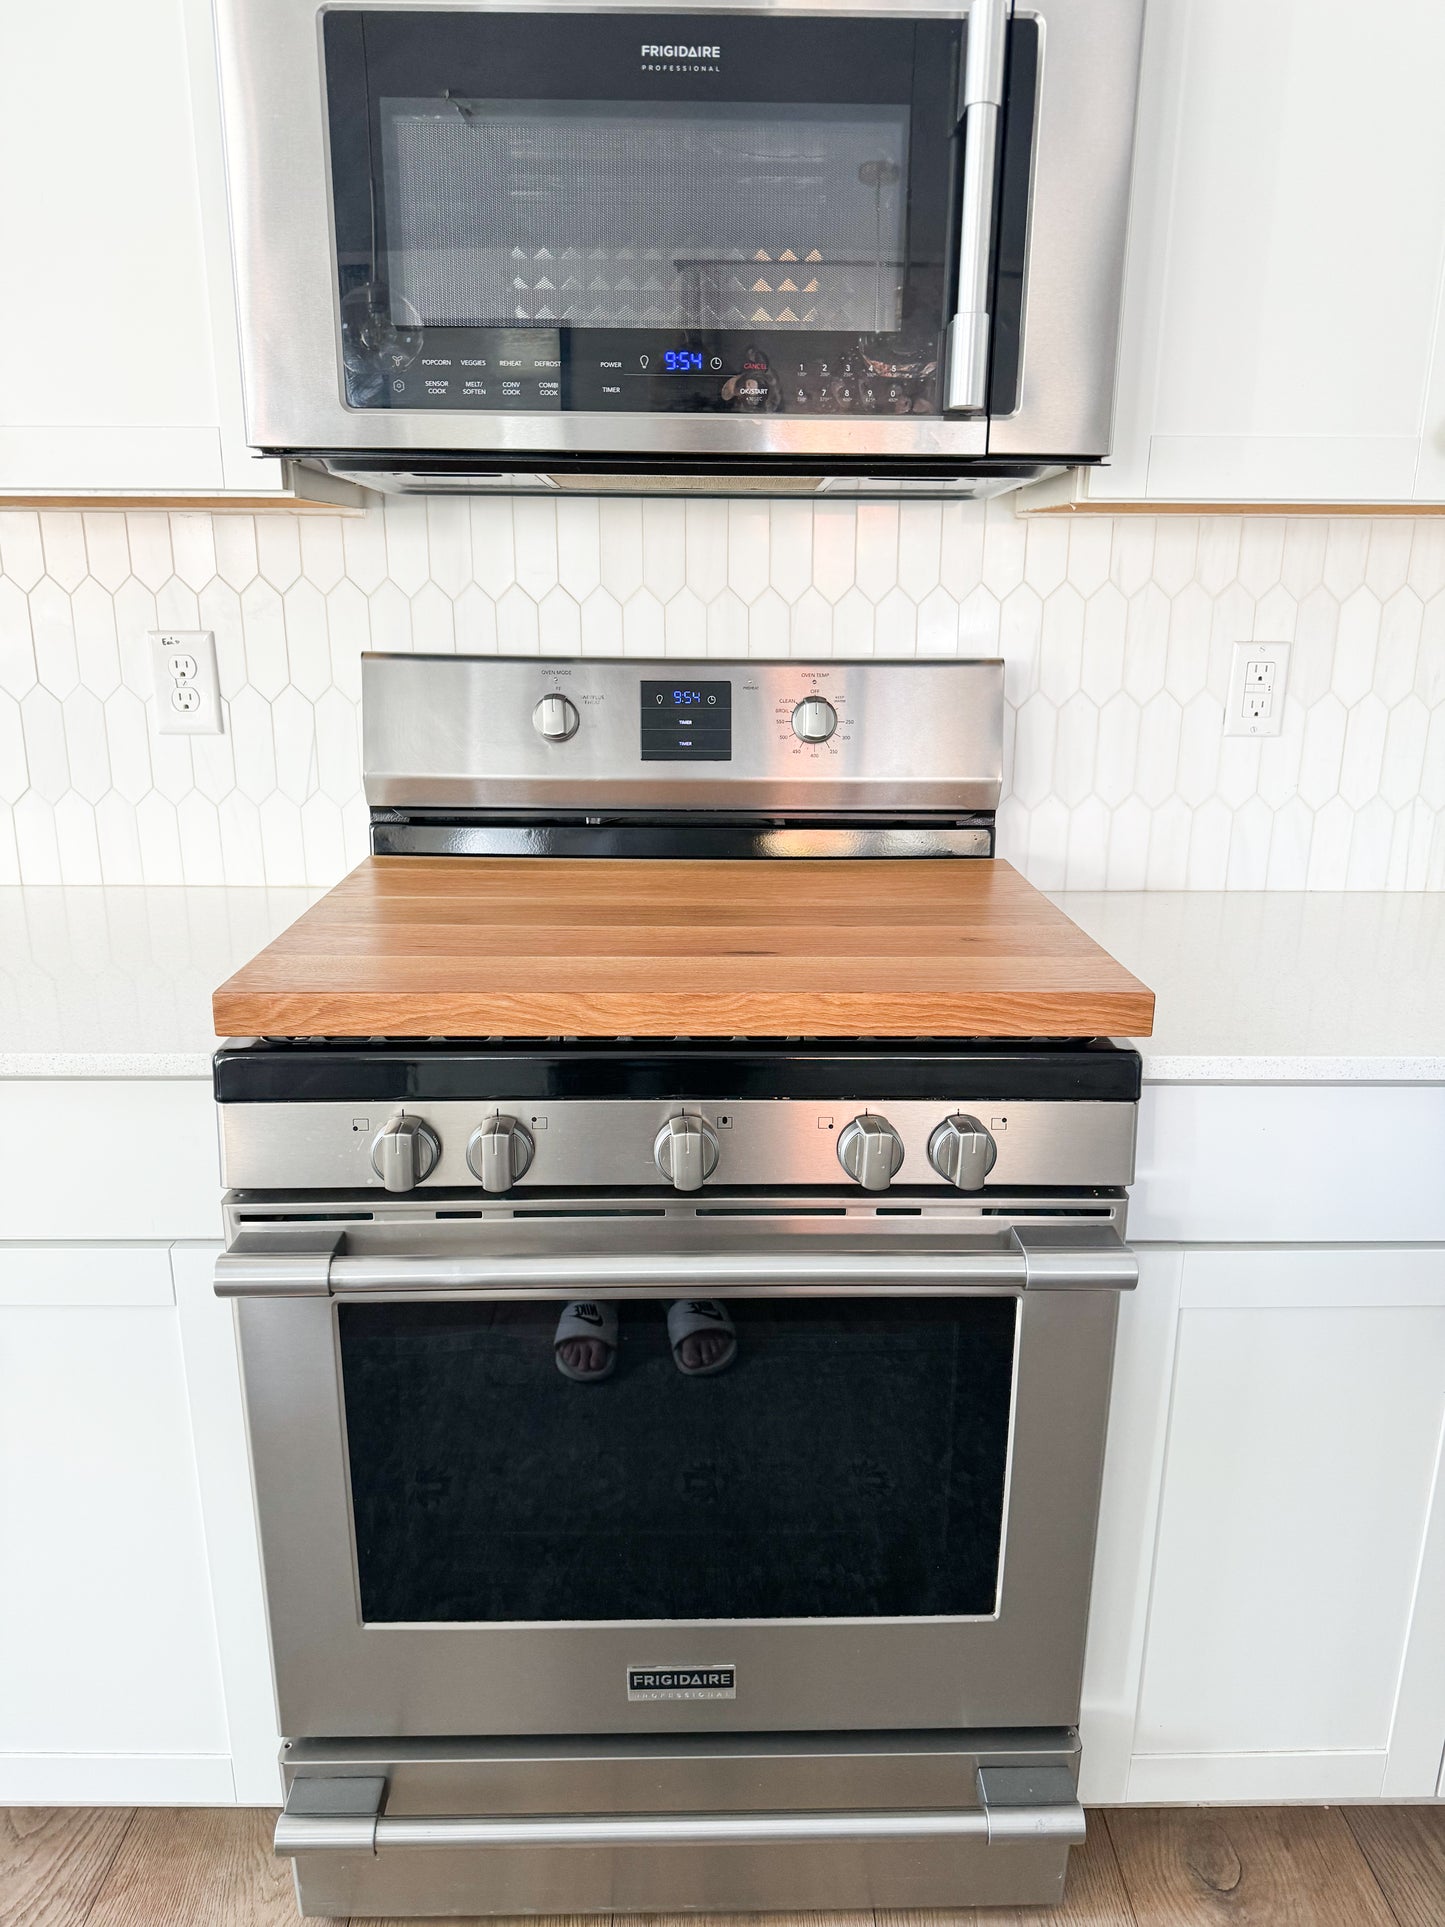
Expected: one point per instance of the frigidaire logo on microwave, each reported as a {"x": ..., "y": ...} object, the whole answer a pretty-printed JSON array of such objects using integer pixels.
[
  {"x": 682, "y": 1682},
  {"x": 675, "y": 58}
]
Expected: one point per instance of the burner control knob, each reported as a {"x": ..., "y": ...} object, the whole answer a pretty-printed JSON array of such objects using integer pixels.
[
  {"x": 686, "y": 1152},
  {"x": 814, "y": 720},
  {"x": 962, "y": 1151},
  {"x": 403, "y": 1152},
  {"x": 555, "y": 719},
  {"x": 870, "y": 1150},
  {"x": 499, "y": 1151}
]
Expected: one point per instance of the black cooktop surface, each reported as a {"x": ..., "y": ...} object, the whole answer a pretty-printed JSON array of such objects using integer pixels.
[{"x": 346, "y": 1069}]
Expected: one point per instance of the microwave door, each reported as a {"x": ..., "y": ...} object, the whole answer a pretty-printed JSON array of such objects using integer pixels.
[{"x": 541, "y": 214}]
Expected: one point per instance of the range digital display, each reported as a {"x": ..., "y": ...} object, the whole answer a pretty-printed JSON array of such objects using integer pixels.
[{"x": 687, "y": 722}]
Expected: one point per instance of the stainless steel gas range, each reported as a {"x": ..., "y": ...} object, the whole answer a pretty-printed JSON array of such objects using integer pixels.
[{"x": 677, "y": 1459}]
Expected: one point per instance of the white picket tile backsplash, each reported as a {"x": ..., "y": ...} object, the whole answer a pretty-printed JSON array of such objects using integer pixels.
[{"x": 1116, "y": 635}]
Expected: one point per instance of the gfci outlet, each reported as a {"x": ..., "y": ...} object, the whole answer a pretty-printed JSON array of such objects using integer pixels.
[
  {"x": 1256, "y": 689},
  {"x": 187, "y": 689}
]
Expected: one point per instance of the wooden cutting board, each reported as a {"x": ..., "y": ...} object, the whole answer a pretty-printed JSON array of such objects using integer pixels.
[{"x": 474, "y": 946}]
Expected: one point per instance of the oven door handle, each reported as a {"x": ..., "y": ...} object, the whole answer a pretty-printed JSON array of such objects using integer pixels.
[
  {"x": 1089, "y": 1257},
  {"x": 966, "y": 348},
  {"x": 343, "y": 1815}
]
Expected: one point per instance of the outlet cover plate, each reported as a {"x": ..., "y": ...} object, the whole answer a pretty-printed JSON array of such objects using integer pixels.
[
  {"x": 1258, "y": 672},
  {"x": 186, "y": 687}
]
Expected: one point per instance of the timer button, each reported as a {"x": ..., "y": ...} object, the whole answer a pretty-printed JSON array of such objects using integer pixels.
[
  {"x": 555, "y": 719},
  {"x": 814, "y": 720}
]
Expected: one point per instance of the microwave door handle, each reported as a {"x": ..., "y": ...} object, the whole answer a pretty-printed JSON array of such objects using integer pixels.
[{"x": 966, "y": 349}]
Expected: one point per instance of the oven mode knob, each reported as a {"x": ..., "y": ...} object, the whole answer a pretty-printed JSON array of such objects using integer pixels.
[
  {"x": 499, "y": 1151},
  {"x": 870, "y": 1150},
  {"x": 403, "y": 1152},
  {"x": 962, "y": 1151},
  {"x": 555, "y": 719},
  {"x": 814, "y": 720},
  {"x": 686, "y": 1152}
]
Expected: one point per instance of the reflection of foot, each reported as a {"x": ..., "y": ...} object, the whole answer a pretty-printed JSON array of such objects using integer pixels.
[
  {"x": 702, "y": 1336},
  {"x": 585, "y": 1346}
]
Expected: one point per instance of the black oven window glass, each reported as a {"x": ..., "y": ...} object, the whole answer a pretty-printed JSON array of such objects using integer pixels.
[
  {"x": 848, "y": 1461},
  {"x": 685, "y": 216}
]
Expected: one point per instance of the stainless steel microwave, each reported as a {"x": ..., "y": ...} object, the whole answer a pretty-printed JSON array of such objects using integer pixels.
[{"x": 857, "y": 248}]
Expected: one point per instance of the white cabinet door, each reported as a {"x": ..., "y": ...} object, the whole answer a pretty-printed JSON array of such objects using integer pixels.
[
  {"x": 1295, "y": 1580},
  {"x": 1281, "y": 336},
  {"x": 110, "y": 1680},
  {"x": 105, "y": 329},
  {"x": 213, "y": 1382},
  {"x": 119, "y": 365}
]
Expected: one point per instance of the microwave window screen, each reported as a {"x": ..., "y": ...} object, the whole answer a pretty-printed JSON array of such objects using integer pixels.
[{"x": 543, "y": 214}]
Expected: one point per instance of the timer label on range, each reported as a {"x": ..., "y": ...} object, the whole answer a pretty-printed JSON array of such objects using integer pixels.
[{"x": 687, "y": 722}]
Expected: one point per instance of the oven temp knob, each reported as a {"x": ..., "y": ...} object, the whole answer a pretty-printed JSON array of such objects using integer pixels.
[
  {"x": 403, "y": 1152},
  {"x": 814, "y": 720},
  {"x": 555, "y": 719},
  {"x": 962, "y": 1151},
  {"x": 870, "y": 1150},
  {"x": 499, "y": 1151},
  {"x": 686, "y": 1152}
]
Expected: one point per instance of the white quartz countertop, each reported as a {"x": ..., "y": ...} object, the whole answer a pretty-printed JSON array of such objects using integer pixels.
[
  {"x": 1251, "y": 987},
  {"x": 1279, "y": 987}
]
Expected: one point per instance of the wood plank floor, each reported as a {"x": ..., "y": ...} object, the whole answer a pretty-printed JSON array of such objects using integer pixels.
[{"x": 1168, "y": 1867}]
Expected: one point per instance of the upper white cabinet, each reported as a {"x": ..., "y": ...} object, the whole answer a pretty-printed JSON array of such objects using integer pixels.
[
  {"x": 117, "y": 331},
  {"x": 1282, "y": 336}
]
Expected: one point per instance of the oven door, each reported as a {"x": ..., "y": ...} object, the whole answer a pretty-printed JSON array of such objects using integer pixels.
[
  {"x": 798, "y": 231},
  {"x": 879, "y": 1515}
]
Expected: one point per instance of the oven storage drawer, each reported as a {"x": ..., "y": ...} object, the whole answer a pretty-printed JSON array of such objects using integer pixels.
[{"x": 733, "y": 1824}]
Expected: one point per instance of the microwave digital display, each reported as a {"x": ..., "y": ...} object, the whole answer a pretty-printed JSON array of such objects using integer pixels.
[{"x": 687, "y": 722}]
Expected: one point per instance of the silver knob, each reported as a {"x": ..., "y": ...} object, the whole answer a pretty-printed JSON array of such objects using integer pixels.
[
  {"x": 814, "y": 719},
  {"x": 403, "y": 1152},
  {"x": 962, "y": 1151},
  {"x": 870, "y": 1150},
  {"x": 499, "y": 1151},
  {"x": 686, "y": 1151},
  {"x": 555, "y": 718}
]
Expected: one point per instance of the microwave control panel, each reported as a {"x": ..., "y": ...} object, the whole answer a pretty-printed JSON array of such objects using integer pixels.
[{"x": 542, "y": 371}]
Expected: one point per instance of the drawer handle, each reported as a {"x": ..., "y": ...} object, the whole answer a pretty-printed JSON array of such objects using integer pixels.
[{"x": 1060, "y": 1823}]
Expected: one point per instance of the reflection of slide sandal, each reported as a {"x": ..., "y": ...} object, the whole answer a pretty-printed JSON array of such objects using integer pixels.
[
  {"x": 689, "y": 1315},
  {"x": 586, "y": 1318}
]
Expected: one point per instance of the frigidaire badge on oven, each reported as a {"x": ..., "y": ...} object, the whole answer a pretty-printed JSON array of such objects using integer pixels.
[{"x": 682, "y": 1683}]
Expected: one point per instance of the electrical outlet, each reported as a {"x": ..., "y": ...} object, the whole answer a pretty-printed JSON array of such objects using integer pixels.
[
  {"x": 187, "y": 689},
  {"x": 1257, "y": 678}
]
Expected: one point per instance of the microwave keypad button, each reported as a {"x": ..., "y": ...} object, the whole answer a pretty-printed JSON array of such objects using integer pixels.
[{"x": 845, "y": 394}]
